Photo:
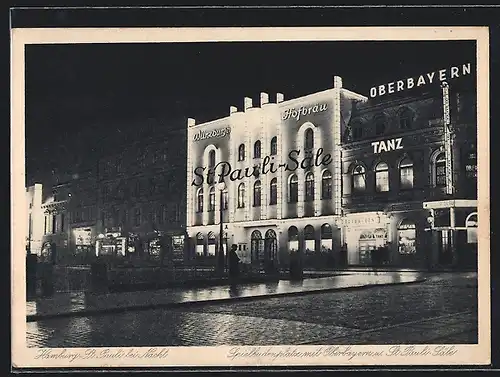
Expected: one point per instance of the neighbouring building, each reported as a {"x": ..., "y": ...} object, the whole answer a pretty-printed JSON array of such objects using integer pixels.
[{"x": 34, "y": 197}]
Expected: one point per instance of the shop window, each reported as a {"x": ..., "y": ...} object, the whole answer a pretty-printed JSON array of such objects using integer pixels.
[
  {"x": 273, "y": 192},
  {"x": 309, "y": 240},
  {"x": 241, "y": 195},
  {"x": 406, "y": 174},
  {"x": 199, "y": 200},
  {"x": 200, "y": 244},
  {"x": 440, "y": 170},
  {"x": 256, "y": 149},
  {"x": 405, "y": 119},
  {"x": 309, "y": 139},
  {"x": 211, "y": 159},
  {"x": 256, "y": 246},
  {"x": 241, "y": 152},
  {"x": 326, "y": 185},
  {"x": 225, "y": 199},
  {"x": 382, "y": 177},
  {"x": 293, "y": 189},
  {"x": 293, "y": 239},
  {"x": 406, "y": 237},
  {"x": 326, "y": 238},
  {"x": 380, "y": 124},
  {"x": 211, "y": 244},
  {"x": 359, "y": 179},
  {"x": 211, "y": 203},
  {"x": 309, "y": 187},
  {"x": 256, "y": 194},
  {"x": 274, "y": 146}
]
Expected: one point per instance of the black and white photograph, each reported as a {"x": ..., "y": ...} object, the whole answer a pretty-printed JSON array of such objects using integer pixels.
[{"x": 276, "y": 198}]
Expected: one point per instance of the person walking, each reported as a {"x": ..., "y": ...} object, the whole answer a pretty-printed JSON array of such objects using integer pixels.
[{"x": 234, "y": 260}]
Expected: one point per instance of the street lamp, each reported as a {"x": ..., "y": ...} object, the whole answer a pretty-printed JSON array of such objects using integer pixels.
[{"x": 221, "y": 186}]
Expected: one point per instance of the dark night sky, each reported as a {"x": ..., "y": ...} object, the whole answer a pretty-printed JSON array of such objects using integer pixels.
[{"x": 78, "y": 94}]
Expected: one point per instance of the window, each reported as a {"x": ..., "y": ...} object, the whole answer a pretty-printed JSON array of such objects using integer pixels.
[
  {"x": 405, "y": 119},
  {"x": 309, "y": 187},
  {"x": 62, "y": 222},
  {"x": 200, "y": 244},
  {"x": 359, "y": 179},
  {"x": 137, "y": 189},
  {"x": 382, "y": 177},
  {"x": 274, "y": 146},
  {"x": 309, "y": 139},
  {"x": 406, "y": 174},
  {"x": 293, "y": 239},
  {"x": 152, "y": 186},
  {"x": 380, "y": 122},
  {"x": 357, "y": 133},
  {"x": 406, "y": 237},
  {"x": 273, "y": 192},
  {"x": 326, "y": 238},
  {"x": 225, "y": 199},
  {"x": 256, "y": 194},
  {"x": 124, "y": 220},
  {"x": 54, "y": 222},
  {"x": 293, "y": 189},
  {"x": 241, "y": 195},
  {"x": 241, "y": 152},
  {"x": 257, "y": 246},
  {"x": 309, "y": 239},
  {"x": 471, "y": 163},
  {"x": 137, "y": 217},
  {"x": 440, "y": 170},
  {"x": 211, "y": 197},
  {"x": 199, "y": 200},
  {"x": 256, "y": 149},
  {"x": 211, "y": 159},
  {"x": 326, "y": 185}
]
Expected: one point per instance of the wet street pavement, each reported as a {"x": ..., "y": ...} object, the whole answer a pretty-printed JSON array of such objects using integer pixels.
[{"x": 441, "y": 310}]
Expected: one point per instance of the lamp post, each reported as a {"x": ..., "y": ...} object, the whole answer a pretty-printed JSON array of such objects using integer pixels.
[{"x": 221, "y": 186}]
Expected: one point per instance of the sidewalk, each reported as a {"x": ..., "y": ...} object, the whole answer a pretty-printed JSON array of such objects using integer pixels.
[{"x": 89, "y": 304}]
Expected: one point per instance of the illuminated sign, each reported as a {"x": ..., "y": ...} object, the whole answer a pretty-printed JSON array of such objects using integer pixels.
[
  {"x": 83, "y": 236},
  {"x": 303, "y": 111},
  {"x": 387, "y": 145},
  {"x": 428, "y": 78},
  {"x": 447, "y": 138},
  {"x": 217, "y": 133}
]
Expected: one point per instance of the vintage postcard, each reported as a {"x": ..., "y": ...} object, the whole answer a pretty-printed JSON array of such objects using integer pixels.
[{"x": 250, "y": 197}]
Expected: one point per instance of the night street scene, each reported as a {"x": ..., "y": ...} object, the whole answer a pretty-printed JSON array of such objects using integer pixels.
[{"x": 251, "y": 193}]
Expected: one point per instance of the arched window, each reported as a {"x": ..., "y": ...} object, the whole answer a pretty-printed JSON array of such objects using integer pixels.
[
  {"x": 326, "y": 238},
  {"x": 256, "y": 149},
  {"x": 199, "y": 200},
  {"x": 241, "y": 195},
  {"x": 406, "y": 174},
  {"x": 256, "y": 246},
  {"x": 405, "y": 119},
  {"x": 271, "y": 245},
  {"x": 382, "y": 177},
  {"x": 225, "y": 199},
  {"x": 241, "y": 152},
  {"x": 293, "y": 189},
  {"x": 293, "y": 239},
  {"x": 273, "y": 191},
  {"x": 380, "y": 124},
  {"x": 309, "y": 139},
  {"x": 211, "y": 159},
  {"x": 309, "y": 187},
  {"x": 359, "y": 179},
  {"x": 274, "y": 146},
  {"x": 406, "y": 237},
  {"x": 309, "y": 239},
  {"x": 471, "y": 225},
  {"x": 211, "y": 244},
  {"x": 440, "y": 170},
  {"x": 256, "y": 194},
  {"x": 211, "y": 196},
  {"x": 326, "y": 185}
]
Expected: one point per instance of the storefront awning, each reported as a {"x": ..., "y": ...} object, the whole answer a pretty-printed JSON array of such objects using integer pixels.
[{"x": 455, "y": 203}]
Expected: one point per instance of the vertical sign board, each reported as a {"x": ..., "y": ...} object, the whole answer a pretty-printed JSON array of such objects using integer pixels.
[{"x": 447, "y": 138}]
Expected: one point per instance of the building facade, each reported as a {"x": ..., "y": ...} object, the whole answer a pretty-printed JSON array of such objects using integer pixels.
[
  {"x": 275, "y": 169},
  {"x": 339, "y": 178},
  {"x": 35, "y": 217}
]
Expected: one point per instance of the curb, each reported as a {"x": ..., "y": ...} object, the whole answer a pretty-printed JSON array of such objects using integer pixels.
[{"x": 173, "y": 305}]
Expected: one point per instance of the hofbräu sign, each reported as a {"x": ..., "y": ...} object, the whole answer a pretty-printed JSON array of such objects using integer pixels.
[{"x": 296, "y": 113}]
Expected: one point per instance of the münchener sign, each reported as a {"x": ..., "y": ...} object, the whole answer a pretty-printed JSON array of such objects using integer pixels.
[{"x": 424, "y": 79}]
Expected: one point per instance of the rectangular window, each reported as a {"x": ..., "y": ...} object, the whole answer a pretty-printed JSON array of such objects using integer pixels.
[
  {"x": 382, "y": 181},
  {"x": 137, "y": 217},
  {"x": 62, "y": 222},
  {"x": 406, "y": 177},
  {"x": 45, "y": 224},
  {"x": 359, "y": 182}
]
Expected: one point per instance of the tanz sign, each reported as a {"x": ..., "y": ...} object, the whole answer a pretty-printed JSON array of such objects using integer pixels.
[{"x": 387, "y": 145}]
